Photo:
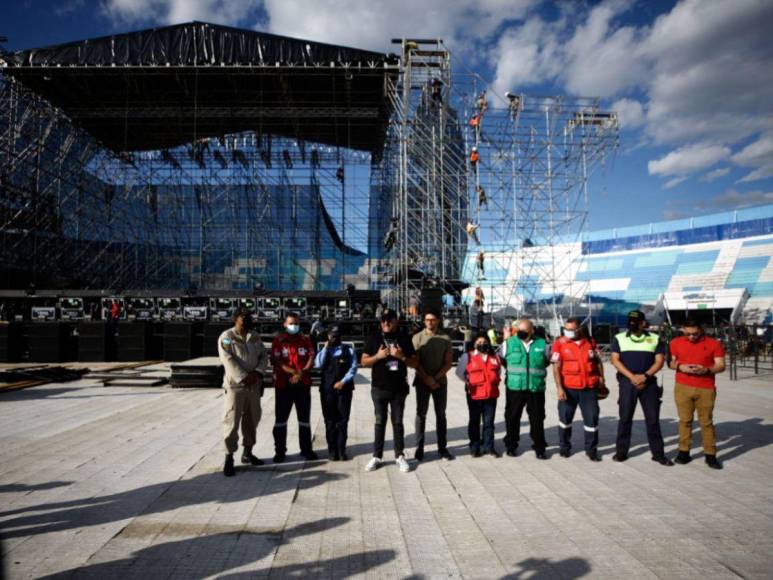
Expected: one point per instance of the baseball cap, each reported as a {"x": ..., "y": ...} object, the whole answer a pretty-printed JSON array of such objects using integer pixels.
[
  {"x": 334, "y": 331},
  {"x": 388, "y": 314},
  {"x": 243, "y": 313},
  {"x": 636, "y": 315}
]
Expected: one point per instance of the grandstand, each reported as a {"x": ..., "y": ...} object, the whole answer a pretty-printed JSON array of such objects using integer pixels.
[{"x": 718, "y": 265}]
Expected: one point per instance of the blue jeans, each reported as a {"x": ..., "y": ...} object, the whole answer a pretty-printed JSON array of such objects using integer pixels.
[
  {"x": 481, "y": 409},
  {"x": 588, "y": 402}
]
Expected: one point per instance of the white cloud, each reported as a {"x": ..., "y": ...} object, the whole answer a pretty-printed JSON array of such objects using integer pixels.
[
  {"x": 176, "y": 11},
  {"x": 688, "y": 159},
  {"x": 671, "y": 183},
  {"x": 630, "y": 112},
  {"x": 758, "y": 154},
  {"x": 715, "y": 174},
  {"x": 733, "y": 199}
]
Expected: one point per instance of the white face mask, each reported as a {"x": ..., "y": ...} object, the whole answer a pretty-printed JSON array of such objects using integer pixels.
[
  {"x": 571, "y": 334},
  {"x": 293, "y": 328}
]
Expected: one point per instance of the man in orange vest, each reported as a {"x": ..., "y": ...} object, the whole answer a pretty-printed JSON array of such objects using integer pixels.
[
  {"x": 579, "y": 375},
  {"x": 480, "y": 369}
]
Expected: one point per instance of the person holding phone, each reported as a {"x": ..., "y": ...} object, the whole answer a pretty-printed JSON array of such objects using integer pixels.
[
  {"x": 389, "y": 354},
  {"x": 696, "y": 358}
]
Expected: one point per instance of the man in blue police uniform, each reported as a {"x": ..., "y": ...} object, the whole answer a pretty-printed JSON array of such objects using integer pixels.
[
  {"x": 338, "y": 364},
  {"x": 638, "y": 355}
]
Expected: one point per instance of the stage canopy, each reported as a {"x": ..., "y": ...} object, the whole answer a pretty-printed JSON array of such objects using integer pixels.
[{"x": 163, "y": 87}]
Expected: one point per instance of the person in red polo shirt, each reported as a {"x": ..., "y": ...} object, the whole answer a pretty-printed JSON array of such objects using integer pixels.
[
  {"x": 696, "y": 358},
  {"x": 292, "y": 357}
]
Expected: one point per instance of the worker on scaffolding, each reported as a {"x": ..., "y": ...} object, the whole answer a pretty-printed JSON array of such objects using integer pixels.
[
  {"x": 474, "y": 158},
  {"x": 472, "y": 231},
  {"x": 482, "y": 199},
  {"x": 481, "y": 103},
  {"x": 436, "y": 91},
  {"x": 480, "y": 261},
  {"x": 340, "y": 173},
  {"x": 514, "y": 103},
  {"x": 474, "y": 121},
  {"x": 391, "y": 236}
]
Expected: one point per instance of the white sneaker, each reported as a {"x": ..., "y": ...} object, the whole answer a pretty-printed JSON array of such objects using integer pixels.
[
  {"x": 402, "y": 464},
  {"x": 374, "y": 464}
]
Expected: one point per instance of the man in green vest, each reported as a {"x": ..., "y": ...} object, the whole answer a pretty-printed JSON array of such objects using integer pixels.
[{"x": 527, "y": 359}]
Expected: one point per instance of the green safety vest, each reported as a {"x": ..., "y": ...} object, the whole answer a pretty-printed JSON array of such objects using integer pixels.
[
  {"x": 526, "y": 371},
  {"x": 645, "y": 343}
]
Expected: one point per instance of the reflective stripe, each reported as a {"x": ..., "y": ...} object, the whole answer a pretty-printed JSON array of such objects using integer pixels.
[
  {"x": 516, "y": 369},
  {"x": 300, "y": 424},
  {"x": 538, "y": 372},
  {"x": 280, "y": 425},
  {"x": 564, "y": 425},
  {"x": 590, "y": 429}
]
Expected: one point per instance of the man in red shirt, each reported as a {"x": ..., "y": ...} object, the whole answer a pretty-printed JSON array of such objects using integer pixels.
[
  {"x": 292, "y": 357},
  {"x": 696, "y": 358}
]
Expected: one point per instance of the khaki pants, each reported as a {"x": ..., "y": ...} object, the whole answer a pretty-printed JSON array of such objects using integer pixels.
[
  {"x": 241, "y": 405},
  {"x": 688, "y": 400}
]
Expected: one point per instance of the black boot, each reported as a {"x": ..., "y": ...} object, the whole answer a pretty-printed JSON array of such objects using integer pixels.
[
  {"x": 713, "y": 462},
  {"x": 228, "y": 468},
  {"x": 249, "y": 458},
  {"x": 683, "y": 458},
  {"x": 593, "y": 455}
]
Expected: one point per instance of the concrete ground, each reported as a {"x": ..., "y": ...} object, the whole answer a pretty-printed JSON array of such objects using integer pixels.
[{"x": 117, "y": 482}]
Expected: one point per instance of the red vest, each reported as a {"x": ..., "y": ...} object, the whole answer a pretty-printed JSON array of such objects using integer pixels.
[
  {"x": 483, "y": 376},
  {"x": 293, "y": 352},
  {"x": 578, "y": 364}
]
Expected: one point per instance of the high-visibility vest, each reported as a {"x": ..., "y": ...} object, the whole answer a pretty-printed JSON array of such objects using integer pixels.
[
  {"x": 578, "y": 364},
  {"x": 483, "y": 376},
  {"x": 526, "y": 371}
]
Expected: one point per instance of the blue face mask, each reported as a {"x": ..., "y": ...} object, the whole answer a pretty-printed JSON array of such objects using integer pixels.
[{"x": 293, "y": 328}]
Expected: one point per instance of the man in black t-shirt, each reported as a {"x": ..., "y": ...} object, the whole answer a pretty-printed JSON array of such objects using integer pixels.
[{"x": 389, "y": 354}]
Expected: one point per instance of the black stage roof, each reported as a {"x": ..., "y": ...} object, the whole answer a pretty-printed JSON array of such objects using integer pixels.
[{"x": 162, "y": 87}]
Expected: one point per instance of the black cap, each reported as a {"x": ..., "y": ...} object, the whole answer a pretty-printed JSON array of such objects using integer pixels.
[
  {"x": 242, "y": 313},
  {"x": 388, "y": 314},
  {"x": 334, "y": 331},
  {"x": 637, "y": 315}
]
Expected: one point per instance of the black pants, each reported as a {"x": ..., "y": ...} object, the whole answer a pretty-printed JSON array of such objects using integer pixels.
[
  {"x": 286, "y": 397},
  {"x": 336, "y": 406},
  {"x": 481, "y": 409},
  {"x": 535, "y": 409},
  {"x": 439, "y": 401},
  {"x": 588, "y": 402},
  {"x": 388, "y": 402},
  {"x": 650, "y": 404}
]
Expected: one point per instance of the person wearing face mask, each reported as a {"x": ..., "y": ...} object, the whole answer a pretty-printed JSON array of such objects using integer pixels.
[
  {"x": 244, "y": 362},
  {"x": 638, "y": 355},
  {"x": 292, "y": 357},
  {"x": 696, "y": 358},
  {"x": 389, "y": 353},
  {"x": 480, "y": 370},
  {"x": 338, "y": 365},
  {"x": 527, "y": 359},
  {"x": 579, "y": 374}
]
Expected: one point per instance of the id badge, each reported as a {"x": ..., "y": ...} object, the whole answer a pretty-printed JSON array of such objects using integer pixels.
[{"x": 393, "y": 365}]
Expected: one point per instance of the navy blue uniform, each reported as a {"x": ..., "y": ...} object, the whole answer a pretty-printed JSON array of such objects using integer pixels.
[{"x": 338, "y": 363}]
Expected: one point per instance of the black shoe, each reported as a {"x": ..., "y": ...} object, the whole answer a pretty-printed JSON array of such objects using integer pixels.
[
  {"x": 418, "y": 455},
  {"x": 279, "y": 458},
  {"x": 713, "y": 462},
  {"x": 593, "y": 455},
  {"x": 334, "y": 457},
  {"x": 445, "y": 455},
  {"x": 565, "y": 453},
  {"x": 344, "y": 456},
  {"x": 476, "y": 453},
  {"x": 251, "y": 459},
  {"x": 510, "y": 452},
  {"x": 663, "y": 461},
  {"x": 683, "y": 458},
  {"x": 228, "y": 468},
  {"x": 493, "y": 453},
  {"x": 619, "y": 457},
  {"x": 310, "y": 456},
  {"x": 540, "y": 455}
]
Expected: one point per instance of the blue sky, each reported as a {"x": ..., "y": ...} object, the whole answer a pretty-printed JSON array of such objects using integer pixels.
[{"x": 691, "y": 80}]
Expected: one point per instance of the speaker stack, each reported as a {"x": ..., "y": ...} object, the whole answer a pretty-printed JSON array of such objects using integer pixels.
[
  {"x": 212, "y": 331},
  {"x": 12, "y": 342},
  {"x": 134, "y": 341},
  {"x": 51, "y": 342},
  {"x": 96, "y": 341},
  {"x": 182, "y": 340}
]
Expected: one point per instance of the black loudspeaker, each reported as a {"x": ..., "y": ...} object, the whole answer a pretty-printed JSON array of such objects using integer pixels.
[
  {"x": 96, "y": 342},
  {"x": 212, "y": 331},
  {"x": 134, "y": 341},
  {"x": 182, "y": 340},
  {"x": 12, "y": 342},
  {"x": 432, "y": 300},
  {"x": 51, "y": 342}
]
